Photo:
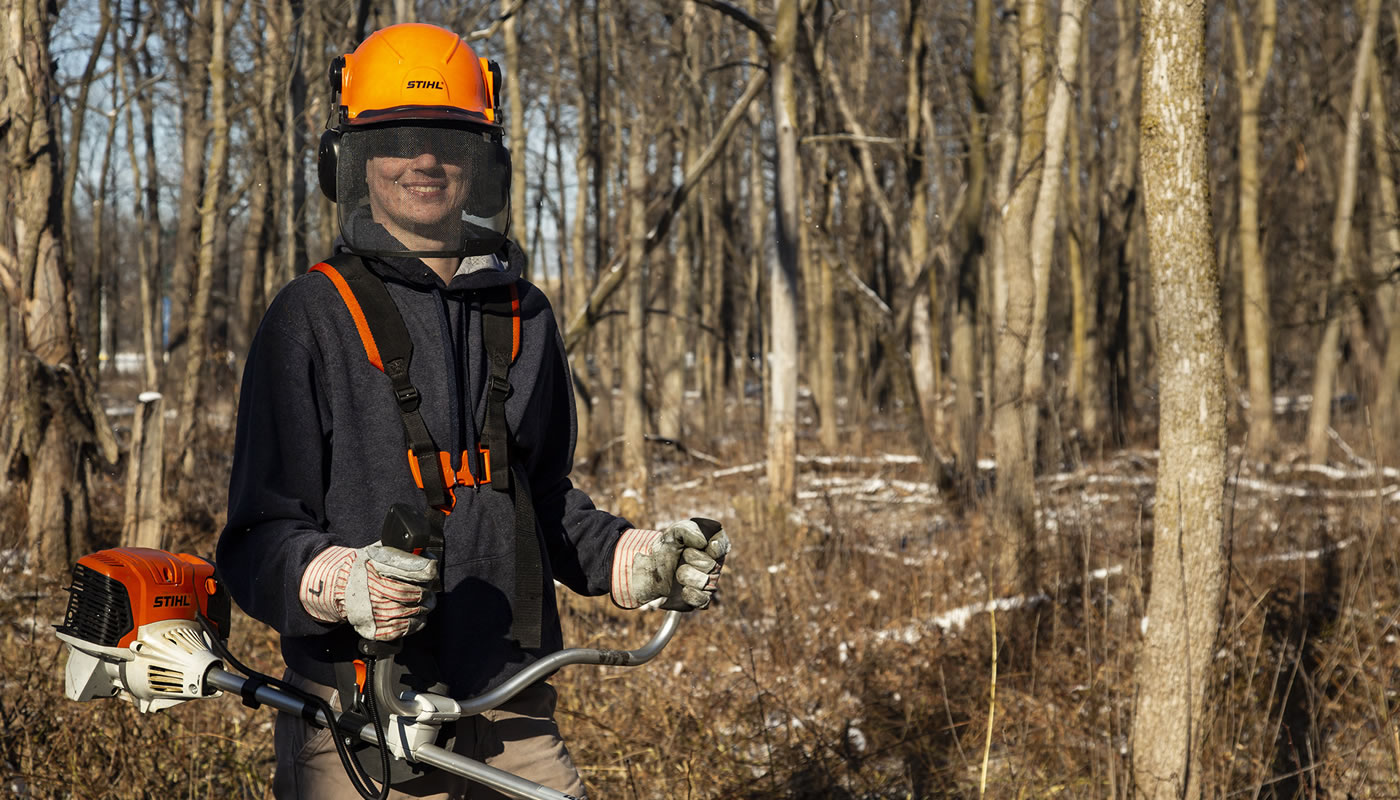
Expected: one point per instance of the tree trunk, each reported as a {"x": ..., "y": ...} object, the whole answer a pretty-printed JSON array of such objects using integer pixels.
[
  {"x": 192, "y": 76},
  {"x": 963, "y": 362},
  {"x": 1117, "y": 212},
  {"x": 1387, "y": 245},
  {"x": 634, "y": 350},
  {"x": 198, "y": 345},
  {"x": 1339, "y": 304},
  {"x": 515, "y": 107},
  {"x": 782, "y": 272},
  {"x": 1047, "y": 208},
  {"x": 1014, "y": 511},
  {"x": 1183, "y": 611},
  {"x": 291, "y": 195},
  {"x": 923, "y": 336},
  {"x": 1258, "y": 329},
  {"x": 86, "y": 276},
  {"x": 825, "y": 321},
  {"x": 58, "y": 422},
  {"x": 586, "y": 159}
]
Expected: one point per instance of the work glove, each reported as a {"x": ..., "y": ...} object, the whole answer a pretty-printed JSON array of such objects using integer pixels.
[
  {"x": 383, "y": 592},
  {"x": 681, "y": 563}
]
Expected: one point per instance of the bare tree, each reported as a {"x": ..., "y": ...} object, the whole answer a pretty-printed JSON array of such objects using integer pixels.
[
  {"x": 782, "y": 272},
  {"x": 515, "y": 105},
  {"x": 58, "y": 425},
  {"x": 1047, "y": 208},
  {"x": 1014, "y": 512},
  {"x": 963, "y": 361},
  {"x": 1251, "y": 76},
  {"x": 1188, "y": 569},
  {"x": 198, "y": 320},
  {"x": 1339, "y": 305}
]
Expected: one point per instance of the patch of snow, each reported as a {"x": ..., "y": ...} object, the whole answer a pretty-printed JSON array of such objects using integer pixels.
[
  {"x": 1308, "y": 555},
  {"x": 958, "y": 617},
  {"x": 1106, "y": 572},
  {"x": 856, "y": 739}
]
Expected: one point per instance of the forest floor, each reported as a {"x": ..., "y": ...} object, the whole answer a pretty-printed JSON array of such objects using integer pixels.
[{"x": 850, "y": 653}]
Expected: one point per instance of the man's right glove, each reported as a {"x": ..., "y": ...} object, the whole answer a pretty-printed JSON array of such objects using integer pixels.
[
  {"x": 681, "y": 564},
  {"x": 383, "y": 592}
]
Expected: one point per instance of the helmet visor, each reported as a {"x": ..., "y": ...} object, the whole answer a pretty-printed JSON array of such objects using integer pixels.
[{"x": 422, "y": 190}]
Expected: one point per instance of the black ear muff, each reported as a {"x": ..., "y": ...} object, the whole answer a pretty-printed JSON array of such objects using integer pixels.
[
  {"x": 489, "y": 192},
  {"x": 496, "y": 82},
  {"x": 327, "y": 158},
  {"x": 328, "y": 154}
]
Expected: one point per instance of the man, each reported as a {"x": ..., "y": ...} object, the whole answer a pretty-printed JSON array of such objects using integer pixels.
[{"x": 333, "y": 398}]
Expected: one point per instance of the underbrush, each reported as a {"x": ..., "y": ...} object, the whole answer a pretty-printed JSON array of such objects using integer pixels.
[{"x": 856, "y": 651}]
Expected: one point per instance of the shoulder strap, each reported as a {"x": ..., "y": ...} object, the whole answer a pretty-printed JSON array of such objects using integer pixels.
[
  {"x": 390, "y": 349},
  {"x": 500, "y": 330}
]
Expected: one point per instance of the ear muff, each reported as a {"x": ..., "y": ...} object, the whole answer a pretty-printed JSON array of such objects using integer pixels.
[
  {"x": 327, "y": 159},
  {"x": 328, "y": 154},
  {"x": 489, "y": 195}
]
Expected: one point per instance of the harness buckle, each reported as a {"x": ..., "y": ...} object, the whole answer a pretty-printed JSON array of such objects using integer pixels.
[{"x": 408, "y": 397}]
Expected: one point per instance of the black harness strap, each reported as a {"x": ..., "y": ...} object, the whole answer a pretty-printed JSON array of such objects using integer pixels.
[
  {"x": 386, "y": 337},
  {"x": 395, "y": 352},
  {"x": 499, "y": 330}
]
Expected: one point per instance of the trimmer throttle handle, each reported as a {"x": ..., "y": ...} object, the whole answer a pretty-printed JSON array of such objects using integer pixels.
[
  {"x": 407, "y": 529},
  {"x": 708, "y": 527}
]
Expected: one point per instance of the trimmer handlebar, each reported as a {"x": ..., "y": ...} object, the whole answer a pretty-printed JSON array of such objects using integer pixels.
[{"x": 432, "y": 709}]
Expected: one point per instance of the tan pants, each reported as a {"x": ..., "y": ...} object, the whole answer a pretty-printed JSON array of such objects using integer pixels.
[{"x": 519, "y": 737}]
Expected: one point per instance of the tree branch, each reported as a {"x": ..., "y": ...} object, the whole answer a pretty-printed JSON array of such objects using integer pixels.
[
  {"x": 610, "y": 277},
  {"x": 490, "y": 30},
  {"x": 742, "y": 17}
]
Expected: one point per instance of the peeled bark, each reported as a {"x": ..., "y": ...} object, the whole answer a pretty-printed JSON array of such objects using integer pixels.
[{"x": 1173, "y": 673}]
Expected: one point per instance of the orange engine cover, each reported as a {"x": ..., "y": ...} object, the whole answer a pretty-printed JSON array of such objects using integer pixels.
[{"x": 115, "y": 592}]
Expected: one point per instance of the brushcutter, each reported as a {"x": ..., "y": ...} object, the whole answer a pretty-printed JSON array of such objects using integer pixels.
[{"x": 151, "y": 627}]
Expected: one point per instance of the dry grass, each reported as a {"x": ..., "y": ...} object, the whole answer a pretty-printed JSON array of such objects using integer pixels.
[{"x": 832, "y": 668}]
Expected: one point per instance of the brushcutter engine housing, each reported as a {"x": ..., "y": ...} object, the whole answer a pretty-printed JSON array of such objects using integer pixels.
[{"x": 132, "y": 627}]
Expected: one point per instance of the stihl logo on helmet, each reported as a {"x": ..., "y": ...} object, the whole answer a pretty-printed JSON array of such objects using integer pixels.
[{"x": 425, "y": 85}]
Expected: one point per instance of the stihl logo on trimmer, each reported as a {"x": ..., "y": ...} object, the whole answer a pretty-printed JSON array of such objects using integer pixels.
[
  {"x": 425, "y": 84},
  {"x": 172, "y": 600}
]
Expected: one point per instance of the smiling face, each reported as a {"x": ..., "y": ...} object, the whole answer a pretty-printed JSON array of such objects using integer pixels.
[{"x": 418, "y": 199}]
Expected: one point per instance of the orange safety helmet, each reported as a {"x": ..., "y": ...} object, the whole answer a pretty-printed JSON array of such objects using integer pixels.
[
  {"x": 405, "y": 88},
  {"x": 415, "y": 71}
]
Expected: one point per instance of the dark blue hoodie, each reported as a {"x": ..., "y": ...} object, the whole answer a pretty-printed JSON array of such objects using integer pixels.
[{"x": 320, "y": 457}]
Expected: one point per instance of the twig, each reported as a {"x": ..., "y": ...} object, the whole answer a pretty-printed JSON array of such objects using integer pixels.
[{"x": 992, "y": 703}]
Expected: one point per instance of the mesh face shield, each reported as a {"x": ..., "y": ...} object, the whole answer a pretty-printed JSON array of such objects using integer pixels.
[{"x": 422, "y": 190}]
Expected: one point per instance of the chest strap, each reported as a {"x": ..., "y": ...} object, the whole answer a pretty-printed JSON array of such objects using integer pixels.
[{"x": 389, "y": 347}]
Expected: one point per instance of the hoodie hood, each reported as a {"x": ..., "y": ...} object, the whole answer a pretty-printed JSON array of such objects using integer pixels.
[{"x": 475, "y": 272}]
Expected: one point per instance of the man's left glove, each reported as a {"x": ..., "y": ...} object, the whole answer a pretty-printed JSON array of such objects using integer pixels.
[{"x": 681, "y": 564}]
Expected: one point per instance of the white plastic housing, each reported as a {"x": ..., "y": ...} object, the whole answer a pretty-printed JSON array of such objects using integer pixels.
[{"x": 163, "y": 667}]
